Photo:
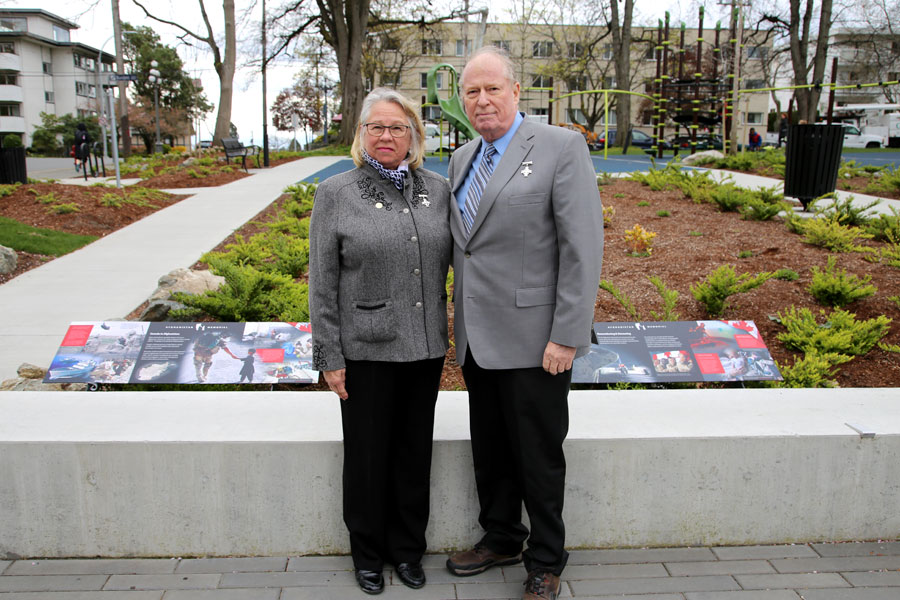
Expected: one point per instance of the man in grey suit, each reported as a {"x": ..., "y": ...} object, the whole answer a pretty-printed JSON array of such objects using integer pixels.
[{"x": 527, "y": 227}]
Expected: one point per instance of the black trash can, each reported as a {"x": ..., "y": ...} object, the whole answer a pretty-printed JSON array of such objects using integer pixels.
[
  {"x": 12, "y": 165},
  {"x": 813, "y": 157}
]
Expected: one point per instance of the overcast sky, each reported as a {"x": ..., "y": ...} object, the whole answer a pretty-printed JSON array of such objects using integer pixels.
[{"x": 94, "y": 18}]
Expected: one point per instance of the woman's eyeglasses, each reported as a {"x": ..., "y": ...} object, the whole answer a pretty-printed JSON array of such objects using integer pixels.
[{"x": 377, "y": 130}]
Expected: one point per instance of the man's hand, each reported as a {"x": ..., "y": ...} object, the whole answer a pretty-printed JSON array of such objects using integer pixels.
[
  {"x": 558, "y": 358},
  {"x": 336, "y": 379}
]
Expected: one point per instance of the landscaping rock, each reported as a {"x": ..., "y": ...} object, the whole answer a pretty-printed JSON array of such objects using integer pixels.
[
  {"x": 8, "y": 260},
  {"x": 190, "y": 162},
  {"x": 30, "y": 371},
  {"x": 30, "y": 379},
  {"x": 158, "y": 310},
  {"x": 185, "y": 280},
  {"x": 702, "y": 156}
]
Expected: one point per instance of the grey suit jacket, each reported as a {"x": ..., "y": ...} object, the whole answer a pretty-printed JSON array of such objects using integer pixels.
[
  {"x": 378, "y": 262},
  {"x": 529, "y": 270}
]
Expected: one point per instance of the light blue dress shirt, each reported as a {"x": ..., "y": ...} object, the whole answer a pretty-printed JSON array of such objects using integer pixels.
[{"x": 501, "y": 146}]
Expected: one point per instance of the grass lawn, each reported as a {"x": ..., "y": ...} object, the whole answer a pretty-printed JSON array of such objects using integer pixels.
[{"x": 25, "y": 238}]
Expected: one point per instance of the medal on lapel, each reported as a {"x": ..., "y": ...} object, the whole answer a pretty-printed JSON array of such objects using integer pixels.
[
  {"x": 527, "y": 170},
  {"x": 425, "y": 201}
]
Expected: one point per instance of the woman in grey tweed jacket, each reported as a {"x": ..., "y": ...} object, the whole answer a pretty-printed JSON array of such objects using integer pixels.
[{"x": 379, "y": 253}]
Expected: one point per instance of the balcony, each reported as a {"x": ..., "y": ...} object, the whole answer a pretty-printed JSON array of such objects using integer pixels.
[
  {"x": 11, "y": 93},
  {"x": 10, "y": 62},
  {"x": 12, "y": 124}
]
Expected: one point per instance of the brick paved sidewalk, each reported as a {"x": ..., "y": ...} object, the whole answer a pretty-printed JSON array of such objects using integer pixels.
[{"x": 846, "y": 571}]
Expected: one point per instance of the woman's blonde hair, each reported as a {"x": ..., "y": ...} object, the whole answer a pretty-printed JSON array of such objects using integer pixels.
[{"x": 416, "y": 127}]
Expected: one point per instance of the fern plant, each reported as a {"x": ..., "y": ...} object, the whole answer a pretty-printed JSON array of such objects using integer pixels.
[
  {"x": 830, "y": 233},
  {"x": 835, "y": 288},
  {"x": 813, "y": 370},
  {"x": 715, "y": 290}
]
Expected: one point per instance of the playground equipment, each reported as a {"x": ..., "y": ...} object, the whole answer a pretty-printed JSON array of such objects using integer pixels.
[{"x": 452, "y": 107}]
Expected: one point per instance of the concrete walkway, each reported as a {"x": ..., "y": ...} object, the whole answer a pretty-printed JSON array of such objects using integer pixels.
[
  {"x": 849, "y": 571},
  {"x": 111, "y": 277}
]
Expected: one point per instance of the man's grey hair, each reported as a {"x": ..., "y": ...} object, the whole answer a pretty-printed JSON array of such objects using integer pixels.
[{"x": 501, "y": 55}]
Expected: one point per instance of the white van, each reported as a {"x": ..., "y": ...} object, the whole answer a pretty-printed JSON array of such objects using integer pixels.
[
  {"x": 854, "y": 138},
  {"x": 434, "y": 140}
]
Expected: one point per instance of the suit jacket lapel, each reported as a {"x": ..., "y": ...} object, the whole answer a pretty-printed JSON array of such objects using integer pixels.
[{"x": 519, "y": 147}]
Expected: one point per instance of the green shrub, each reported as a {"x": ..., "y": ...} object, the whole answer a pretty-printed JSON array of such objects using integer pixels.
[
  {"x": 846, "y": 213},
  {"x": 669, "y": 298},
  {"x": 786, "y": 275},
  {"x": 697, "y": 185},
  {"x": 8, "y": 188},
  {"x": 111, "y": 200},
  {"x": 714, "y": 291},
  {"x": 794, "y": 222},
  {"x": 48, "y": 198},
  {"x": 830, "y": 233},
  {"x": 883, "y": 227},
  {"x": 745, "y": 254},
  {"x": 663, "y": 213},
  {"x": 835, "y": 288},
  {"x": 887, "y": 180},
  {"x": 249, "y": 294},
  {"x": 757, "y": 210},
  {"x": 12, "y": 140},
  {"x": 813, "y": 370},
  {"x": 622, "y": 298},
  {"x": 840, "y": 332},
  {"x": 643, "y": 203},
  {"x": 730, "y": 198},
  {"x": 769, "y": 195},
  {"x": 64, "y": 209}
]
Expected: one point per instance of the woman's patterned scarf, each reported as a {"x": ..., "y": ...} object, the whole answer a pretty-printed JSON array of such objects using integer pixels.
[{"x": 397, "y": 176}]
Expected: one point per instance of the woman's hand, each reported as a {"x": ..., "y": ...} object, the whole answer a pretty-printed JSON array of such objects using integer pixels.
[{"x": 335, "y": 380}]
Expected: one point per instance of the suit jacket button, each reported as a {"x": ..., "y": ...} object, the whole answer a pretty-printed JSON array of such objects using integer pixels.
[
  {"x": 416, "y": 271},
  {"x": 467, "y": 254},
  {"x": 405, "y": 210},
  {"x": 414, "y": 239},
  {"x": 418, "y": 305}
]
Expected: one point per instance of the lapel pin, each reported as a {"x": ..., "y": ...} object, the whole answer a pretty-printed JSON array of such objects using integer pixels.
[
  {"x": 425, "y": 201},
  {"x": 527, "y": 170},
  {"x": 379, "y": 205}
]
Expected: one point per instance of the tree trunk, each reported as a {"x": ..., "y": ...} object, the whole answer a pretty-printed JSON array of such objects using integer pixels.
[
  {"x": 808, "y": 99},
  {"x": 225, "y": 71},
  {"x": 622, "y": 48},
  {"x": 124, "y": 127}
]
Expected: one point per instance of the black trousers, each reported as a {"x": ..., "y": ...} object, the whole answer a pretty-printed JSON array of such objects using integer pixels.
[
  {"x": 388, "y": 422},
  {"x": 519, "y": 419}
]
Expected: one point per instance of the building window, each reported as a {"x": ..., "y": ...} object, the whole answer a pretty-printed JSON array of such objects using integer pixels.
[
  {"x": 85, "y": 62},
  {"x": 431, "y": 113},
  {"x": 438, "y": 80},
  {"x": 651, "y": 52},
  {"x": 502, "y": 44},
  {"x": 754, "y": 84},
  {"x": 459, "y": 47},
  {"x": 7, "y": 48},
  {"x": 609, "y": 83},
  {"x": 48, "y": 68},
  {"x": 757, "y": 52},
  {"x": 754, "y": 118},
  {"x": 894, "y": 76},
  {"x": 541, "y": 49},
  {"x": 84, "y": 113},
  {"x": 13, "y": 24},
  {"x": 49, "y": 98},
  {"x": 390, "y": 79},
  {"x": 9, "y": 79},
  {"x": 432, "y": 47},
  {"x": 389, "y": 43},
  {"x": 577, "y": 83},
  {"x": 9, "y": 110},
  {"x": 539, "y": 112},
  {"x": 646, "y": 117},
  {"x": 60, "y": 34},
  {"x": 85, "y": 89},
  {"x": 575, "y": 115},
  {"x": 576, "y": 50},
  {"x": 541, "y": 81},
  {"x": 607, "y": 52}
]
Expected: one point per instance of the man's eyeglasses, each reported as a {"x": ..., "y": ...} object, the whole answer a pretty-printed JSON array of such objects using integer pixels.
[{"x": 377, "y": 130}]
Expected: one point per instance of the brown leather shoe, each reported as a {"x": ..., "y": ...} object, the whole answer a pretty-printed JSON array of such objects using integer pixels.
[
  {"x": 541, "y": 585},
  {"x": 478, "y": 560}
]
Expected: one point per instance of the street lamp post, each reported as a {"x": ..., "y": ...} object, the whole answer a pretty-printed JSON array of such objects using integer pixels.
[
  {"x": 101, "y": 97},
  {"x": 155, "y": 79}
]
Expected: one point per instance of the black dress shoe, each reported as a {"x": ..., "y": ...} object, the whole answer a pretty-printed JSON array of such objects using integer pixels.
[
  {"x": 411, "y": 574},
  {"x": 371, "y": 582}
]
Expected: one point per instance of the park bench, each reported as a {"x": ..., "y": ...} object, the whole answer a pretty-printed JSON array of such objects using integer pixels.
[{"x": 234, "y": 148}]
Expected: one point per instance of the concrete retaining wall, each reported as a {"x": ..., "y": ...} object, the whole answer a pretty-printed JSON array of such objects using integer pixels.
[{"x": 256, "y": 473}]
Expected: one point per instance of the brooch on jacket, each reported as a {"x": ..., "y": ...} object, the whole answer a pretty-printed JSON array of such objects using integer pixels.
[
  {"x": 420, "y": 193},
  {"x": 527, "y": 170}
]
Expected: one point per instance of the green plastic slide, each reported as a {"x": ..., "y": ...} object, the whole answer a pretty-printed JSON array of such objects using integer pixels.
[{"x": 452, "y": 107}]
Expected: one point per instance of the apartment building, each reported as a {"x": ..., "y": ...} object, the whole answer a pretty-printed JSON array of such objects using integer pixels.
[
  {"x": 864, "y": 56},
  {"x": 42, "y": 70},
  {"x": 554, "y": 57}
]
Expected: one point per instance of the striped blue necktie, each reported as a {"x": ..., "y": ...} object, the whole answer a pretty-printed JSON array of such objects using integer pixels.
[{"x": 476, "y": 188}]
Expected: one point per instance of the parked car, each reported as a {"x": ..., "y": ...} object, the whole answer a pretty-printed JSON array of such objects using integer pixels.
[
  {"x": 206, "y": 143},
  {"x": 705, "y": 141},
  {"x": 638, "y": 138},
  {"x": 854, "y": 138},
  {"x": 434, "y": 141}
]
